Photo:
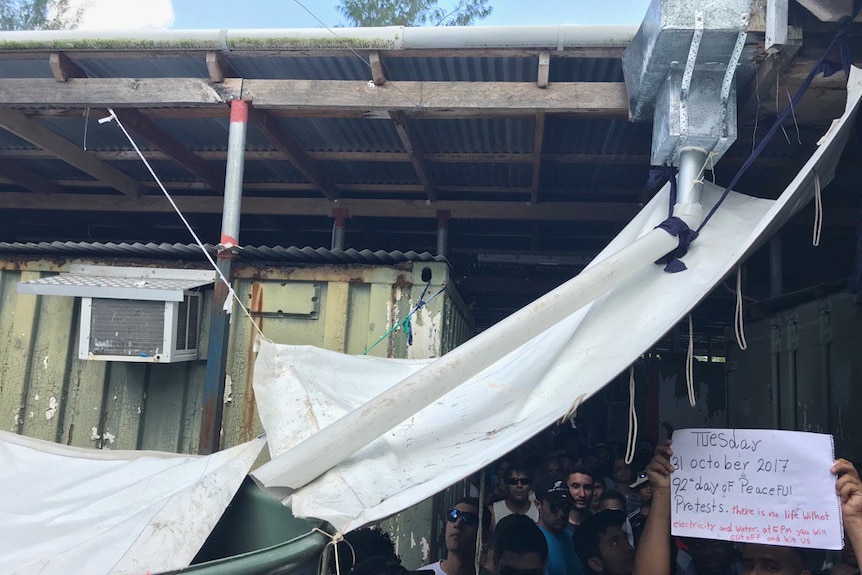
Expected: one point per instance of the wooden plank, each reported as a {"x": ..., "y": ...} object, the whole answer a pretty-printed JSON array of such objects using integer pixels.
[
  {"x": 441, "y": 157},
  {"x": 174, "y": 149},
  {"x": 538, "y": 140},
  {"x": 38, "y": 135},
  {"x": 323, "y": 96},
  {"x": 395, "y": 208},
  {"x": 219, "y": 68},
  {"x": 293, "y": 151},
  {"x": 63, "y": 68},
  {"x": 415, "y": 154},
  {"x": 459, "y": 97},
  {"x": 378, "y": 76},
  {"x": 27, "y": 179},
  {"x": 117, "y": 92},
  {"x": 544, "y": 69}
]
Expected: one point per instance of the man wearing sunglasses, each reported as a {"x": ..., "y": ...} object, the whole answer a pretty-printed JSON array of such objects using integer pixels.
[
  {"x": 462, "y": 526},
  {"x": 554, "y": 504},
  {"x": 518, "y": 482}
]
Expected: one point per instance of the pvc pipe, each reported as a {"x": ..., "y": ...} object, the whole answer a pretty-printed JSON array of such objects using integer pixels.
[
  {"x": 689, "y": 188},
  {"x": 234, "y": 172},
  {"x": 559, "y": 37},
  {"x": 443, "y": 231},
  {"x": 309, "y": 459}
]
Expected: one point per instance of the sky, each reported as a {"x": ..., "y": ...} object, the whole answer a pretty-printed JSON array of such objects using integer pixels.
[{"x": 203, "y": 14}]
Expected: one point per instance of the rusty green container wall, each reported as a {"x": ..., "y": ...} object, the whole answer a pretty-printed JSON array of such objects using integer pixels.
[
  {"x": 47, "y": 392},
  {"x": 802, "y": 370}
]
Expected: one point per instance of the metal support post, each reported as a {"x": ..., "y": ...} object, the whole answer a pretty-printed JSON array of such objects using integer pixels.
[
  {"x": 213, "y": 396},
  {"x": 443, "y": 231},
  {"x": 689, "y": 185},
  {"x": 338, "y": 230}
]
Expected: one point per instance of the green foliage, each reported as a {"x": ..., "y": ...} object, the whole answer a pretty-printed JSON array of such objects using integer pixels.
[
  {"x": 38, "y": 15},
  {"x": 413, "y": 12}
]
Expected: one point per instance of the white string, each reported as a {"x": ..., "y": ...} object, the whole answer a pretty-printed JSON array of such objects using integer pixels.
[
  {"x": 778, "y": 107},
  {"x": 224, "y": 280},
  {"x": 818, "y": 211},
  {"x": 86, "y": 125},
  {"x": 793, "y": 113},
  {"x": 334, "y": 540},
  {"x": 689, "y": 364},
  {"x": 573, "y": 408},
  {"x": 738, "y": 325},
  {"x": 632, "y": 439}
]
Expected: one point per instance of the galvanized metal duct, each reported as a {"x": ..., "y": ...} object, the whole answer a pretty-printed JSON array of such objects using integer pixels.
[{"x": 679, "y": 71}]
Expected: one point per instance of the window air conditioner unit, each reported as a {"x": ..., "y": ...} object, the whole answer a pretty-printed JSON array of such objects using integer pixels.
[
  {"x": 132, "y": 314},
  {"x": 140, "y": 330}
]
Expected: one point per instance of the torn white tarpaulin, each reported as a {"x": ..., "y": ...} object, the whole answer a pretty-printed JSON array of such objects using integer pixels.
[
  {"x": 516, "y": 397},
  {"x": 70, "y": 510}
]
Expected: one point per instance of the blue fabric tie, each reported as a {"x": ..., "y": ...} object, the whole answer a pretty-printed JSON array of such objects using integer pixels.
[{"x": 678, "y": 228}]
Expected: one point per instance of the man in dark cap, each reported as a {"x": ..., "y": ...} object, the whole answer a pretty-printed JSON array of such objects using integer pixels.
[{"x": 554, "y": 504}]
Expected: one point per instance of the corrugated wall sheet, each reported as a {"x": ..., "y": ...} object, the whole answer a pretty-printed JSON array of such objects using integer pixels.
[{"x": 47, "y": 392}]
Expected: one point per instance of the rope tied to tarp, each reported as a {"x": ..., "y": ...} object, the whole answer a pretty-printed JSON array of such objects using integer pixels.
[
  {"x": 632, "y": 439},
  {"x": 405, "y": 325},
  {"x": 334, "y": 540}
]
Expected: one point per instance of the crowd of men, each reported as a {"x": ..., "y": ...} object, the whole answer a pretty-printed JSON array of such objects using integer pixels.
[{"x": 564, "y": 516}]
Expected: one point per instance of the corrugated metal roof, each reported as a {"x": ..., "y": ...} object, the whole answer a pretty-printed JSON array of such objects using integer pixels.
[
  {"x": 290, "y": 254},
  {"x": 475, "y": 135}
]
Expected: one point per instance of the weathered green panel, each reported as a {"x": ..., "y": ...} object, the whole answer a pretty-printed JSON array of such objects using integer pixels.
[
  {"x": 124, "y": 406},
  {"x": 359, "y": 305},
  {"x": 50, "y": 358},
  {"x": 82, "y": 405},
  {"x": 16, "y": 359}
]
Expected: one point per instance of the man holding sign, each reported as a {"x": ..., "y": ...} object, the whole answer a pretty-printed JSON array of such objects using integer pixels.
[{"x": 716, "y": 510}]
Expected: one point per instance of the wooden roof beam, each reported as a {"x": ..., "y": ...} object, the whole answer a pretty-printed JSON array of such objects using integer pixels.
[
  {"x": 389, "y": 208},
  {"x": 63, "y": 68},
  {"x": 272, "y": 129},
  {"x": 27, "y": 179},
  {"x": 139, "y": 123},
  {"x": 538, "y": 140},
  {"x": 38, "y": 135},
  {"x": 219, "y": 68},
  {"x": 378, "y": 75},
  {"x": 325, "y": 97},
  {"x": 408, "y": 140}
]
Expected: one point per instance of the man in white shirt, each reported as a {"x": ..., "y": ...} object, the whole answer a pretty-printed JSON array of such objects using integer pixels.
[{"x": 462, "y": 527}]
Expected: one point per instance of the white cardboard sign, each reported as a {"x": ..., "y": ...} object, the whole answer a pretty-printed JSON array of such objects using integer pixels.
[{"x": 755, "y": 485}]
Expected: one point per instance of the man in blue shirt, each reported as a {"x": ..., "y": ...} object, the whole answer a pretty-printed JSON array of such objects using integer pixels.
[{"x": 554, "y": 504}]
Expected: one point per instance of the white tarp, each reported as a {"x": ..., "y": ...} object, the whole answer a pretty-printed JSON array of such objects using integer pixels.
[
  {"x": 70, "y": 510},
  {"x": 515, "y": 398}
]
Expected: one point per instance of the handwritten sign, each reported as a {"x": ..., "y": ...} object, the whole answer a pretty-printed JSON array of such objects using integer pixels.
[{"x": 755, "y": 485}]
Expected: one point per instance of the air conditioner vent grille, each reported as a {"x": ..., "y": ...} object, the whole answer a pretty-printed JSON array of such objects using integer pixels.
[{"x": 127, "y": 327}]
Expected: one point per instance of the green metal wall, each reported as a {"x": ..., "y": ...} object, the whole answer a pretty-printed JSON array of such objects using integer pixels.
[
  {"x": 802, "y": 370},
  {"x": 46, "y": 392}
]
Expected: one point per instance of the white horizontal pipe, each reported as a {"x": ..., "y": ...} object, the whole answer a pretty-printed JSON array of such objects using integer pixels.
[
  {"x": 384, "y": 38},
  {"x": 311, "y": 458}
]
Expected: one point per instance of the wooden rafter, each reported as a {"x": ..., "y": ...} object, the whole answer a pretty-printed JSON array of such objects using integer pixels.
[
  {"x": 139, "y": 123},
  {"x": 325, "y": 97},
  {"x": 63, "y": 68},
  {"x": 38, "y": 135},
  {"x": 27, "y": 179},
  {"x": 219, "y": 68},
  {"x": 390, "y": 208},
  {"x": 272, "y": 129},
  {"x": 443, "y": 157},
  {"x": 544, "y": 69},
  {"x": 378, "y": 74},
  {"x": 538, "y": 140},
  {"x": 414, "y": 153}
]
